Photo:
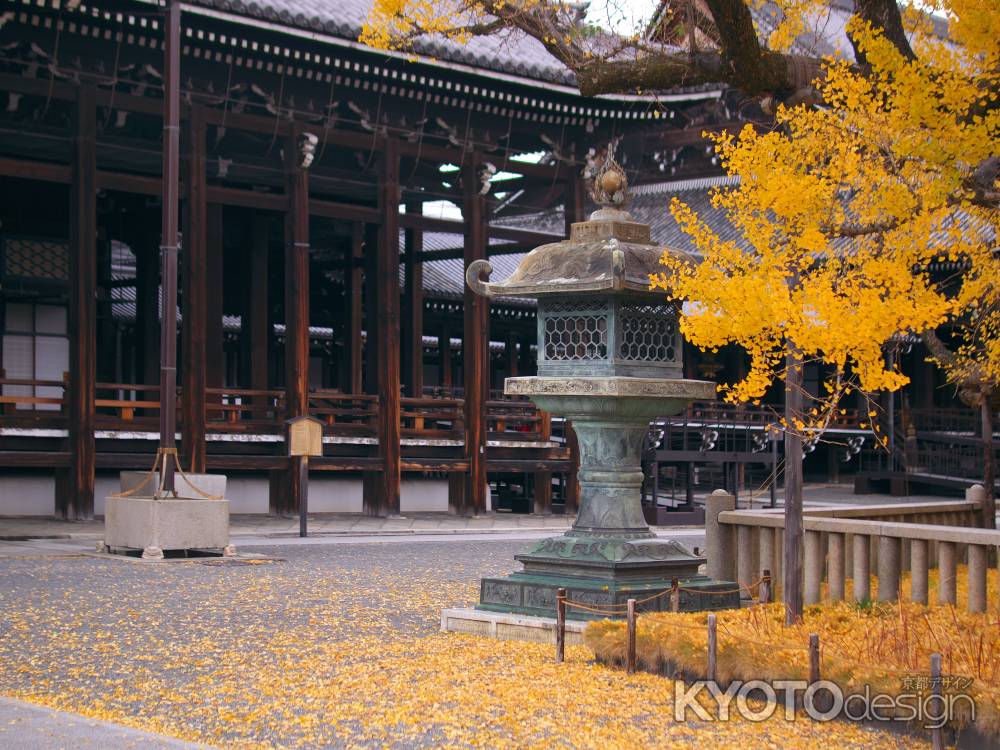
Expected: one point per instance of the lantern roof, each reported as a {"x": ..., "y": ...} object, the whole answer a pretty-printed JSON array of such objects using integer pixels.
[{"x": 610, "y": 252}]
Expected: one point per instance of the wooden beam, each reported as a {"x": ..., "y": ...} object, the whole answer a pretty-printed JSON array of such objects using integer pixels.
[
  {"x": 247, "y": 198},
  {"x": 386, "y": 500},
  {"x": 37, "y": 459},
  {"x": 508, "y": 248},
  {"x": 413, "y": 341},
  {"x": 36, "y": 170},
  {"x": 129, "y": 183},
  {"x": 194, "y": 299},
  {"x": 457, "y": 227},
  {"x": 76, "y": 502},
  {"x": 344, "y": 211},
  {"x": 475, "y": 344}
]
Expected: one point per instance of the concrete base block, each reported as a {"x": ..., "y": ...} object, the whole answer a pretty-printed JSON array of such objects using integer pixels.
[
  {"x": 508, "y": 627},
  {"x": 200, "y": 486},
  {"x": 171, "y": 523}
]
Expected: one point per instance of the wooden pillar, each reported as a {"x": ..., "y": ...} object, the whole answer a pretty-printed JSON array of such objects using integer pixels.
[
  {"x": 350, "y": 380},
  {"x": 543, "y": 479},
  {"x": 371, "y": 345},
  {"x": 385, "y": 500},
  {"x": 257, "y": 320},
  {"x": 214, "y": 354},
  {"x": 475, "y": 343},
  {"x": 413, "y": 340},
  {"x": 194, "y": 298},
  {"x": 572, "y": 480},
  {"x": 510, "y": 350},
  {"x": 573, "y": 202},
  {"x": 296, "y": 301},
  {"x": 147, "y": 303},
  {"x": 444, "y": 354},
  {"x": 76, "y": 501}
]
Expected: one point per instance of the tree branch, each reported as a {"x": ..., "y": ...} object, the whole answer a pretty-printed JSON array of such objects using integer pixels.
[{"x": 884, "y": 15}]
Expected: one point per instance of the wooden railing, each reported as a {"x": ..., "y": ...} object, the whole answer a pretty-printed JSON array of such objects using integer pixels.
[
  {"x": 129, "y": 406},
  {"x": 14, "y": 402},
  {"x": 714, "y": 412},
  {"x": 436, "y": 418},
  {"x": 516, "y": 420},
  {"x": 856, "y": 542},
  {"x": 136, "y": 405},
  {"x": 244, "y": 409},
  {"x": 345, "y": 413}
]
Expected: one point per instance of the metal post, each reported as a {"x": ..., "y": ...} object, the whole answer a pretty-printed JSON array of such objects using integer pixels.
[
  {"x": 630, "y": 650},
  {"x": 713, "y": 646},
  {"x": 675, "y": 595},
  {"x": 937, "y": 735},
  {"x": 560, "y": 625},
  {"x": 764, "y": 594},
  {"x": 774, "y": 471},
  {"x": 168, "y": 241},
  {"x": 303, "y": 468},
  {"x": 813, "y": 657}
]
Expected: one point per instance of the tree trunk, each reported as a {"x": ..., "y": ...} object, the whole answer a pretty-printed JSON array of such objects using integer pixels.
[
  {"x": 792, "y": 593},
  {"x": 989, "y": 463}
]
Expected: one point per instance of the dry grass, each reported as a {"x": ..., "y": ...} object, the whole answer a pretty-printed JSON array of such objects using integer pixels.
[{"x": 880, "y": 645}]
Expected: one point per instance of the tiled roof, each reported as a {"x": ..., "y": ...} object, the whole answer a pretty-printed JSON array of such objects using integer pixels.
[{"x": 507, "y": 52}]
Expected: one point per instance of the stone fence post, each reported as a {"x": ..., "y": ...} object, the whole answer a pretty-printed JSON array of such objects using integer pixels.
[
  {"x": 977, "y": 494},
  {"x": 719, "y": 537}
]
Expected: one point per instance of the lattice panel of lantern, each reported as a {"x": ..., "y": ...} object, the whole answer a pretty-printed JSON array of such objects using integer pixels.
[
  {"x": 575, "y": 331},
  {"x": 648, "y": 333},
  {"x": 615, "y": 335}
]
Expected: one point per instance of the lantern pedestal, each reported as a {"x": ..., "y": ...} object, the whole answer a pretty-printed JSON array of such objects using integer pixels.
[{"x": 610, "y": 555}]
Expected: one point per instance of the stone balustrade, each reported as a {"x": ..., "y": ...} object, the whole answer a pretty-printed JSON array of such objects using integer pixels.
[{"x": 854, "y": 541}]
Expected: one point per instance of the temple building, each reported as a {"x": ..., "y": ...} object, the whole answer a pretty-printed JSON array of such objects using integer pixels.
[{"x": 331, "y": 198}]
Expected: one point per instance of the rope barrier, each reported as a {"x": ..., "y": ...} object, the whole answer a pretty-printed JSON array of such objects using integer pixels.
[{"x": 620, "y": 608}]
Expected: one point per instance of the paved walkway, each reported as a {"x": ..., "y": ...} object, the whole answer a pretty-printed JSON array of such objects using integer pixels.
[
  {"x": 243, "y": 525},
  {"x": 352, "y": 524},
  {"x": 25, "y": 726}
]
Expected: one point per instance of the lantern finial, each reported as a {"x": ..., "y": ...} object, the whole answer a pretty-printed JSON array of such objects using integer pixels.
[{"x": 610, "y": 186}]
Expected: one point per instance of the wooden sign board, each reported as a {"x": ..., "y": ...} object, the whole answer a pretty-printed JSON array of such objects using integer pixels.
[{"x": 305, "y": 437}]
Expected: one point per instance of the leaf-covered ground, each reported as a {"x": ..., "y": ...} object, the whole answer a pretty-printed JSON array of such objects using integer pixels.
[{"x": 337, "y": 646}]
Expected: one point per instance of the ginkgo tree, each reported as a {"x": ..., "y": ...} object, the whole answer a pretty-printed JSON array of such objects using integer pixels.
[{"x": 875, "y": 170}]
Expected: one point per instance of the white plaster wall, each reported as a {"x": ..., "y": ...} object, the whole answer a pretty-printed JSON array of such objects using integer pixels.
[
  {"x": 423, "y": 495},
  {"x": 105, "y": 484},
  {"x": 334, "y": 494},
  {"x": 33, "y": 494},
  {"x": 247, "y": 494},
  {"x": 27, "y": 494}
]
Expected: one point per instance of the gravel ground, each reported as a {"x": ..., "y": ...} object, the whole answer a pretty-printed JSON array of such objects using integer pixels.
[{"x": 334, "y": 646}]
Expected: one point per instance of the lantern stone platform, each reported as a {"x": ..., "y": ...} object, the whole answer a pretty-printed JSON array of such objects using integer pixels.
[
  {"x": 609, "y": 361},
  {"x": 196, "y": 517}
]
